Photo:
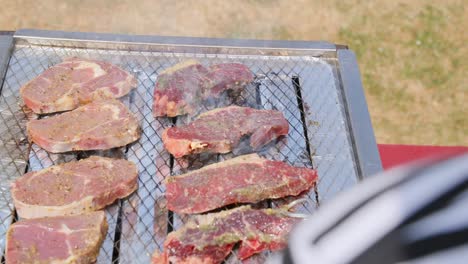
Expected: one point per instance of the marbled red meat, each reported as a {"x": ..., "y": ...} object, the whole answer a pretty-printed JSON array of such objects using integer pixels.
[
  {"x": 244, "y": 179},
  {"x": 74, "y": 82},
  {"x": 221, "y": 129},
  {"x": 227, "y": 76},
  {"x": 63, "y": 239},
  {"x": 209, "y": 238},
  {"x": 74, "y": 187},
  {"x": 178, "y": 88},
  {"x": 101, "y": 124},
  {"x": 182, "y": 88}
]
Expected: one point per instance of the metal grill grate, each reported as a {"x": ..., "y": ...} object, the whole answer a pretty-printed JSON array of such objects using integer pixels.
[{"x": 305, "y": 88}]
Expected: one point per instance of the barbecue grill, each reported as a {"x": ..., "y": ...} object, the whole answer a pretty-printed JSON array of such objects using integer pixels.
[{"x": 315, "y": 84}]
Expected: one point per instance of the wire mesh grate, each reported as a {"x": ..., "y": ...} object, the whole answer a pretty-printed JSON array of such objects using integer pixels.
[{"x": 139, "y": 223}]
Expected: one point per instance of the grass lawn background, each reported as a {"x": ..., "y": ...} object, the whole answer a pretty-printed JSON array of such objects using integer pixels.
[{"x": 413, "y": 55}]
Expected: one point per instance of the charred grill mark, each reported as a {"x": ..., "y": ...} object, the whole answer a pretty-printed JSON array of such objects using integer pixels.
[{"x": 297, "y": 86}]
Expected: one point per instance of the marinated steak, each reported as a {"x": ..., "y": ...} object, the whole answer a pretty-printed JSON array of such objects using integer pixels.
[
  {"x": 178, "y": 88},
  {"x": 74, "y": 187},
  {"x": 63, "y": 239},
  {"x": 74, "y": 82},
  {"x": 209, "y": 238},
  {"x": 182, "y": 88},
  {"x": 221, "y": 129},
  {"x": 227, "y": 76},
  {"x": 244, "y": 179},
  {"x": 101, "y": 124}
]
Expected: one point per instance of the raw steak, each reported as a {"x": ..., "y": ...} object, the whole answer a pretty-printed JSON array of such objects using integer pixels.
[
  {"x": 102, "y": 124},
  {"x": 244, "y": 179},
  {"x": 210, "y": 238},
  {"x": 184, "y": 87},
  {"x": 227, "y": 76},
  {"x": 221, "y": 129},
  {"x": 74, "y": 82},
  {"x": 63, "y": 239},
  {"x": 178, "y": 89},
  {"x": 74, "y": 187}
]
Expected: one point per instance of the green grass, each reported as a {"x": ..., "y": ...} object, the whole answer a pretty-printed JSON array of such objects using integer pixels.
[
  {"x": 430, "y": 47},
  {"x": 412, "y": 54},
  {"x": 411, "y": 71}
]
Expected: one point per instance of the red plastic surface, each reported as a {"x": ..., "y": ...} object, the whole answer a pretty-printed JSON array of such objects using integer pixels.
[{"x": 393, "y": 155}]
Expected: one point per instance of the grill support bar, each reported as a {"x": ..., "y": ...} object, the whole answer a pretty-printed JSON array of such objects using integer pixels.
[
  {"x": 363, "y": 139},
  {"x": 6, "y": 47},
  {"x": 297, "y": 86}
]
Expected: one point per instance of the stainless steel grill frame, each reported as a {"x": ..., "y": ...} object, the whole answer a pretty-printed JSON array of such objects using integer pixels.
[{"x": 315, "y": 84}]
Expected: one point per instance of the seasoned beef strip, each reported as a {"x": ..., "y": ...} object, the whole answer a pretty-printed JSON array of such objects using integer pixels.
[{"x": 244, "y": 179}]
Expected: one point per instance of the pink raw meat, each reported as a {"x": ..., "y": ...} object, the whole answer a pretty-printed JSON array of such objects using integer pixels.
[
  {"x": 74, "y": 82},
  {"x": 98, "y": 125},
  {"x": 62, "y": 239},
  {"x": 221, "y": 129},
  {"x": 74, "y": 187}
]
